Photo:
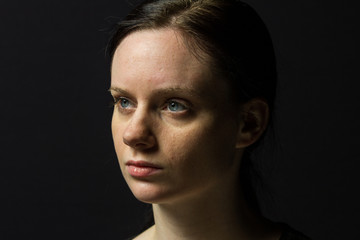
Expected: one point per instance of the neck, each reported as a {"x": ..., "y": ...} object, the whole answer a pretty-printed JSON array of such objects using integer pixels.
[{"x": 220, "y": 213}]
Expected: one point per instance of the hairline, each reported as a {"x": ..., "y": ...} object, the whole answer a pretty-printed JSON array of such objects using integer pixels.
[{"x": 189, "y": 42}]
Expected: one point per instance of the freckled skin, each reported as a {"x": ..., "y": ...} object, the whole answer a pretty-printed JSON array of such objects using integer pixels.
[{"x": 195, "y": 148}]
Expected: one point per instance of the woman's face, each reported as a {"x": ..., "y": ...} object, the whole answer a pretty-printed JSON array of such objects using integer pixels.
[{"x": 173, "y": 126}]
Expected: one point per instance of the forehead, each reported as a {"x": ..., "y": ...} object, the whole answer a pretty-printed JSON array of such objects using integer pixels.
[
  {"x": 159, "y": 54},
  {"x": 149, "y": 60},
  {"x": 154, "y": 42}
]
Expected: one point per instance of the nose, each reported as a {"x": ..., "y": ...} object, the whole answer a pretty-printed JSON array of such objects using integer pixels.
[{"x": 138, "y": 133}]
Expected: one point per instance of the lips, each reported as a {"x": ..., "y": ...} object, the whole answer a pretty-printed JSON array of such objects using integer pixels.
[{"x": 141, "y": 169}]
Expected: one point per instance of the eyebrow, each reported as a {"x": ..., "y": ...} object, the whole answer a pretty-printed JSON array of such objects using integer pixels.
[
  {"x": 116, "y": 89},
  {"x": 163, "y": 91}
]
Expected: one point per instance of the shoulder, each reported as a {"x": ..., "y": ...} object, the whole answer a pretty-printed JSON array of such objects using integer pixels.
[
  {"x": 289, "y": 233},
  {"x": 146, "y": 235}
]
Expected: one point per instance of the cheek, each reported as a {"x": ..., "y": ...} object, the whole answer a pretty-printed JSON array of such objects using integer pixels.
[
  {"x": 178, "y": 146},
  {"x": 206, "y": 147},
  {"x": 117, "y": 133},
  {"x": 114, "y": 129}
]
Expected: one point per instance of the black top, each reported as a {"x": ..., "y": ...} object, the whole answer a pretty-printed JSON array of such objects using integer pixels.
[
  {"x": 287, "y": 234},
  {"x": 290, "y": 234}
]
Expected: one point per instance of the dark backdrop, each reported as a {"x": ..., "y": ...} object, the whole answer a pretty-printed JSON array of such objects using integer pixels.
[{"x": 59, "y": 175}]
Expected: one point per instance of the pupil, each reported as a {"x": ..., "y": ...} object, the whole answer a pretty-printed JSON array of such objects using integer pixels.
[{"x": 173, "y": 105}]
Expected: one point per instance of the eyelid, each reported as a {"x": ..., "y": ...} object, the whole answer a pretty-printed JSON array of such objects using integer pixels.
[
  {"x": 118, "y": 93},
  {"x": 182, "y": 102},
  {"x": 117, "y": 102}
]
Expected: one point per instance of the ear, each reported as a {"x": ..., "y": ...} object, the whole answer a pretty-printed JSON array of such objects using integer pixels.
[{"x": 254, "y": 117}]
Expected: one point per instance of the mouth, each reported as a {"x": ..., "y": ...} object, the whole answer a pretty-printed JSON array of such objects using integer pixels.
[{"x": 141, "y": 169}]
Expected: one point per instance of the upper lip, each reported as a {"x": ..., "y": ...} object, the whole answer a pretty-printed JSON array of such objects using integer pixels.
[{"x": 141, "y": 163}]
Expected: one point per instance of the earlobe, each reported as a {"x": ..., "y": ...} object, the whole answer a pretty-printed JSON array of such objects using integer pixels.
[{"x": 254, "y": 117}]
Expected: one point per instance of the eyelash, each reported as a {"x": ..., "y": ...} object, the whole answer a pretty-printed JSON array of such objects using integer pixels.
[
  {"x": 117, "y": 101},
  {"x": 114, "y": 102},
  {"x": 180, "y": 103}
]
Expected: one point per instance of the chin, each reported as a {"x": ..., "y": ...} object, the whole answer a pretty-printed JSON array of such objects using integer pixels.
[{"x": 149, "y": 192}]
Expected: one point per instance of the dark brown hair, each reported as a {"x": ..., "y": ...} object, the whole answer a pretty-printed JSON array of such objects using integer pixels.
[{"x": 229, "y": 33}]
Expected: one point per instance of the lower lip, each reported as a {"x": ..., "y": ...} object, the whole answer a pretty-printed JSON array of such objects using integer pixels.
[{"x": 140, "y": 171}]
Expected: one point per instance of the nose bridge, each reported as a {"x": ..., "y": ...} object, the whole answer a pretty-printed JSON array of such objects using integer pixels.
[
  {"x": 139, "y": 120},
  {"x": 138, "y": 132}
]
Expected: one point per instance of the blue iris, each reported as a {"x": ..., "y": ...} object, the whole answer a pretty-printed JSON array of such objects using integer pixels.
[
  {"x": 176, "y": 106},
  {"x": 124, "y": 103}
]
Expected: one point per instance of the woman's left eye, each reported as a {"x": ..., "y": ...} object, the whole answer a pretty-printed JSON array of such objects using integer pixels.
[{"x": 175, "y": 106}]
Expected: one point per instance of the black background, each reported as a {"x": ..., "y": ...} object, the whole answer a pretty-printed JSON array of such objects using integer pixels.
[{"x": 59, "y": 174}]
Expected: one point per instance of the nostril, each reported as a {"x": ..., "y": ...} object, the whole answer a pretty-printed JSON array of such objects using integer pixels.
[
  {"x": 126, "y": 142},
  {"x": 135, "y": 135},
  {"x": 140, "y": 146},
  {"x": 144, "y": 142}
]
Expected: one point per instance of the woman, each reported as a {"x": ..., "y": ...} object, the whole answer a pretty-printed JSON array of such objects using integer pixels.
[{"x": 194, "y": 84}]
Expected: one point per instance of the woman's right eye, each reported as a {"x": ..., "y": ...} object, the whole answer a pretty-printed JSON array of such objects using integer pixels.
[{"x": 123, "y": 103}]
